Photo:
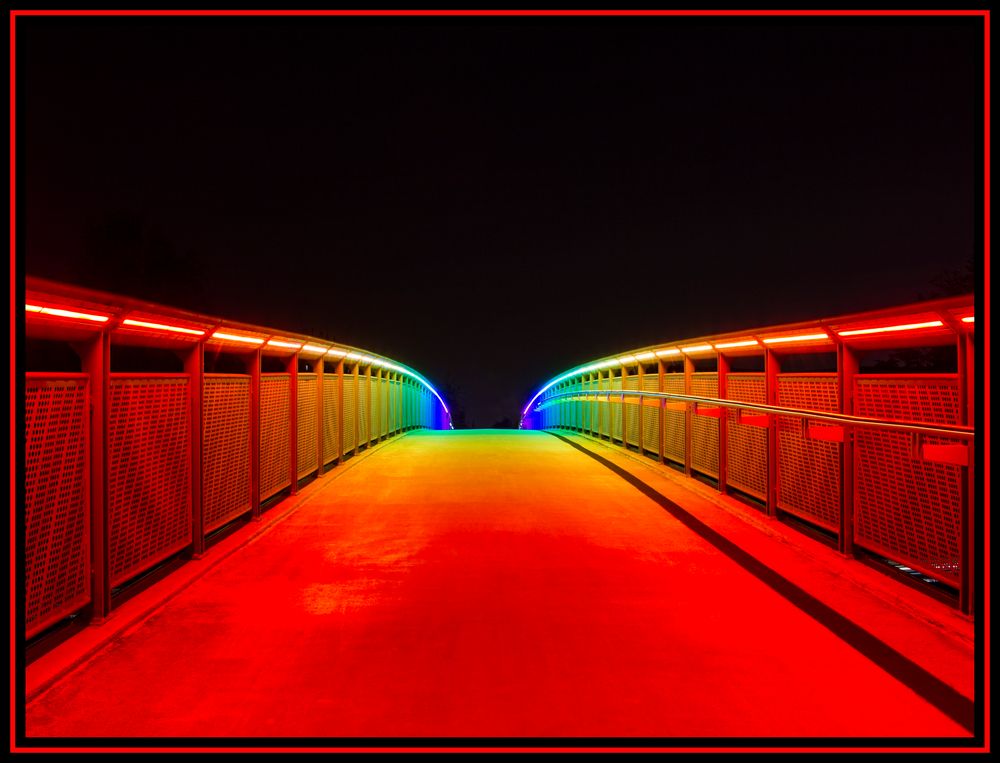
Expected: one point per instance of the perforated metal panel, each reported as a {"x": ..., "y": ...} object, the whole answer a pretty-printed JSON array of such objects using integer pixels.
[
  {"x": 905, "y": 508},
  {"x": 350, "y": 412},
  {"x": 705, "y": 429},
  {"x": 616, "y": 410},
  {"x": 307, "y": 423},
  {"x": 275, "y": 433},
  {"x": 56, "y": 498},
  {"x": 225, "y": 448},
  {"x": 808, "y": 470},
  {"x": 149, "y": 472},
  {"x": 674, "y": 422},
  {"x": 651, "y": 416},
  {"x": 364, "y": 404},
  {"x": 746, "y": 446},
  {"x": 331, "y": 403},
  {"x": 631, "y": 412}
]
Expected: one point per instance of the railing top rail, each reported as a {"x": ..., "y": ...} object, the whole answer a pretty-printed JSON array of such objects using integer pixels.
[{"x": 857, "y": 422}]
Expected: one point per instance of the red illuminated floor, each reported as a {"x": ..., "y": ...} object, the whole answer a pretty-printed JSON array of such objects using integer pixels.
[{"x": 507, "y": 584}]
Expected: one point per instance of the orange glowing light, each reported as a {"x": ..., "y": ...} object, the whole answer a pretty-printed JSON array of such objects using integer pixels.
[
  {"x": 60, "y": 313},
  {"x": 698, "y": 348},
  {"x": 727, "y": 345},
  {"x": 797, "y": 338},
  {"x": 237, "y": 338},
  {"x": 883, "y": 329},
  {"x": 313, "y": 348},
  {"x": 161, "y": 327},
  {"x": 664, "y": 353},
  {"x": 644, "y": 356},
  {"x": 289, "y": 345},
  {"x": 969, "y": 319},
  {"x": 336, "y": 353}
]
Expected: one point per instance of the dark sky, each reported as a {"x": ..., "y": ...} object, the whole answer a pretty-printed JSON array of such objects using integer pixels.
[{"x": 493, "y": 201}]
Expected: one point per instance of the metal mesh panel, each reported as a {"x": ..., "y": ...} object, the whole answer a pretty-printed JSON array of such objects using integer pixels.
[
  {"x": 306, "y": 422},
  {"x": 674, "y": 422},
  {"x": 331, "y": 445},
  {"x": 651, "y": 416},
  {"x": 746, "y": 446},
  {"x": 631, "y": 413},
  {"x": 350, "y": 412},
  {"x": 149, "y": 472},
  {"x": 56, "y": 499},
  {"x": 586, "y": 408},
  {"x": 808, "y": 470},
  {"x": 905, "y": 508},
  {"x": 705, "y": 429},
  {"x": 275, "y": 433},
  {"x": 225, "y": 448},
  {"x": 384, "y": 407},
  {"x": 616, "y": 410},
  {"x": 363, "y": 404}
]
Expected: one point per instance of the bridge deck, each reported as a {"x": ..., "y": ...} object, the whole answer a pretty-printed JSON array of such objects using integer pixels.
[{"x": 509, "y": 584}]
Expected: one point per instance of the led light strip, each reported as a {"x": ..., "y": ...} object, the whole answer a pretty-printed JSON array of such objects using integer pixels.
[
  {"x": 235, "y": 338},
  {"x": 336, "y": 353},
  {"x": 796, "y": 338},
  {"x": 60, "y": 313},
  {"x": 883, "y": 329},
  {"x": 668, "y": 352},
  {"x": 289, "y": 345},
  {"x": 727, "y": 345},
  {"x": 161, "y": 327},
  {"x": 644, "y": 356},
  {"x": 313, "y": 348},
  {"x": 697, "y": 348},
  {"x": 969, "y": 319}
]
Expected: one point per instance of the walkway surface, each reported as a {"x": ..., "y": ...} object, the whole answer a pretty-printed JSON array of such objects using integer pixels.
[{"x": 508, "y": 584}]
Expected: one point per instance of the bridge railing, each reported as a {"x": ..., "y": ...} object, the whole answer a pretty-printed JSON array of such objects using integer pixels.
[
  {"x": 823, "y": 422},
  {"x": 149, "y": 431}
]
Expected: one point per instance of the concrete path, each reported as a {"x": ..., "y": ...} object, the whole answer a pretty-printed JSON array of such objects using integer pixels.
[{"x": 501, "y": 584}]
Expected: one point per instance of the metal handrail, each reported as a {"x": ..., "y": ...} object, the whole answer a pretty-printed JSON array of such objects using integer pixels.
[{"x": 857, "y": 422}]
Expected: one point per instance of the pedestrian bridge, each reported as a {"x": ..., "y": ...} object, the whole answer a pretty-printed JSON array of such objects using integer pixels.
[{"x": 284, "y": 538}]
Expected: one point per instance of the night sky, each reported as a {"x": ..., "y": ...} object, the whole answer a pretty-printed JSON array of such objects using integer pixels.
[{"x": 495, "y": 200}]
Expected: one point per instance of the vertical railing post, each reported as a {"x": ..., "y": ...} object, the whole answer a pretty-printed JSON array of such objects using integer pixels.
[
  {"x": 722, "y": 371},
  {"x": 967, "y": 410},
  {"x": 357, "y": 408},
  {"x": 194, "y": 367},
  {"x": 621, "y": 405},
  {"x": 772, "y": 367},
  {"x": 96, "y": 362},
  {"x": 293, "y": 424},
  {"x": 660, "y": 387},
  {"x": 847, "y": 369},
  {"x": 341, "y": 425},
  {"x": 320, "y": 369},
  {"x": 640, "y": 418},
  {"x": 688, "y": 413},
  {"x": 253, "y": 366},
  {"x": 371, "y": 405}
]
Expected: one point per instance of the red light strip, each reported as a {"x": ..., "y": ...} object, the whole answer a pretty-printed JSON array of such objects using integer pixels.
[
  {"x": 161, "y": 327},
  {"x": 883, "y": 329},
  {"x": 235, "y": 338},
  {"x": 798, "y": 338},
  {"x": 60, "y": 313}
]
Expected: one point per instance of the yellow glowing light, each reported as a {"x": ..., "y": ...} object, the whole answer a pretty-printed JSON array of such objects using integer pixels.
[
  {"x": 664, "y": 353},
  {"x": 289, "y": 345},
  {"x": 698, "y": 348},
  {"x": 644, "y": 356},
  {"x": 727, "y": 345},
  {"x": 969, "y": 319}
]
